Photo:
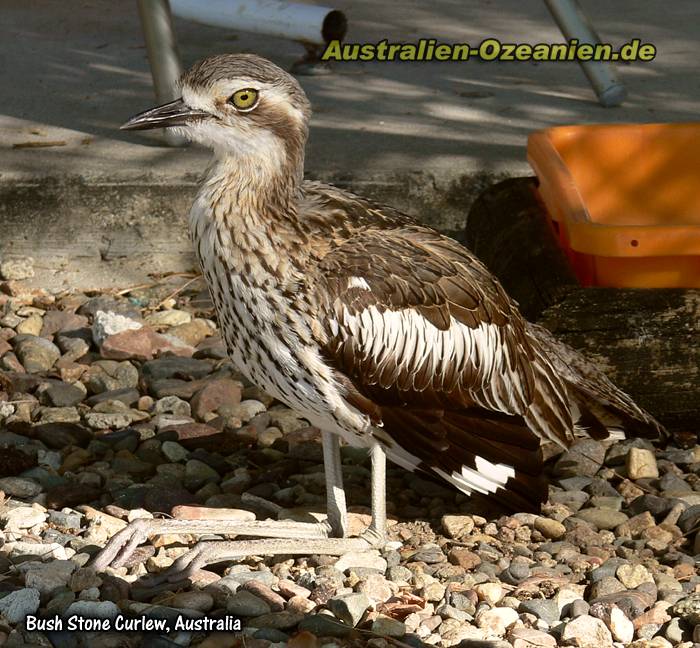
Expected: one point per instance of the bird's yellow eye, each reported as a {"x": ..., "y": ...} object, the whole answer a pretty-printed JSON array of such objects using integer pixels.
[{"x": 245, "y": 99}]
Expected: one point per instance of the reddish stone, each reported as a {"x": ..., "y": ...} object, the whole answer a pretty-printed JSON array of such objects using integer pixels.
[
  {"x": 56, "y": 321},
  {"x": 141, "y": 344},
  {"x": 12, "y": 363},
  {"x": 199, "y": 435},
  {"x": 464, "y": 558},
  {"x": 214, "y": 394}
]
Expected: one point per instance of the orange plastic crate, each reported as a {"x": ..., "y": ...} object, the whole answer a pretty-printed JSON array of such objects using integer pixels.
[{"x": 624, "y": 200}]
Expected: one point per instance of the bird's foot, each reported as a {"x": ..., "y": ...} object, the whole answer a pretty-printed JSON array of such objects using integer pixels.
[
  {"x": 212, "y": 551},
  {"x": 123, "y": 544}
]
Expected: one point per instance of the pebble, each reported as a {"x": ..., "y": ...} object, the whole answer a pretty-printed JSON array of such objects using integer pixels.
[
  {"x": 199, "y": 601},
  {"x": 174, "y": 452},
  {"x": 350, "y": 608},
  {"x": 19, "y": 487},
  {"x": 621, "y": 627},
  {"x": 531, "y": 638},
  {"x": 550, "y": 529},
  {"x": 64, "y": 394},
  {"x": 496, "y": 621},
  {"x": 16, "y": 605},
  {"x": 246, "y": 604},
  {"x": 365, "y": 559},
  {"x": 108, "y": 323},
  {"x": 491, "y": 593},
  {"x": 168, "y": 318},
  {"x": 641, "y": 464},
  {"x": 464, "y": 558},
  {"x": 197, "y": 473},
  {"x": 386, "y": 626},
  {"x": 37, "y": 354},
  {"x": 30, "y": 326},
  {"x": 602, "y": 518},
  {"x": 688, "y": 609},
  {"x": 93, "y": 609},
  {"x": 46, "y": 577},
  {"x": 584, "y": 457},
  {"x": 545, "y": 609},
  {"x": 631, "y": 576},
  {"x": 457, "y": 526},
  {"x": 587, "y": 632},
  {"x": 17, "y": 268},
  {"x": 379, "y": 589}
]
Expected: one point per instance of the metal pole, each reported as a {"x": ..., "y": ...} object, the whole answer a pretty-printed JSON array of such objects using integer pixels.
[
  {"x": 301, "y": 22},
  {"x": 161, "y": 45},
  {"x": 574, "y": 24}
]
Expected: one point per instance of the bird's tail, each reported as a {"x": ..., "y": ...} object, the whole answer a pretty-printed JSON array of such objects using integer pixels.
[{"x": 601, "y": 410}]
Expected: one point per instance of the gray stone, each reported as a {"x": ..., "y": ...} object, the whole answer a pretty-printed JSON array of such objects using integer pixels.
[
  {"x": 399, "y": 574},
  {"x": 36, "y": 354},
  {"x": 171, "y": 366},
  {"x": 605, "y": 586},
  {"x": 602, "y": 518},
  {"x": 350, "y": 608},
  {"x": 66, "y": 521},
  {"x": 109, "y": 375},
  {"x": 244, "y": 603},
  {"x": 94, "y": 609},
  {"x": 46, "y": 577},
  {"x": 172, "y": 405},
  {"x": 197, "y": 473},
  {"x": 59, "y": 415},
  {"x": 578, "y": 608},
  {"x": 325, "y": 625},
  {"x": 584, "y": 457},
  {"x": 15, "y": 606},
  {"x": 19, "y": 487},
  {"x": 545, "y": 609},
  {"x": 385, "y": 626},
  {"x": 690, "y": 519},
  {"x": 61, "y": 394},
  {"x": 174, "y": 452}
]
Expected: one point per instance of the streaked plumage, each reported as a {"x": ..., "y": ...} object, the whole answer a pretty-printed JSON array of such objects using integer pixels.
[{"x": 370, "y": 324}]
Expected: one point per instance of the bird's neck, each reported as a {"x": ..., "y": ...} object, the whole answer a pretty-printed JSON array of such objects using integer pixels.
[{"x": 246, "y": 212}]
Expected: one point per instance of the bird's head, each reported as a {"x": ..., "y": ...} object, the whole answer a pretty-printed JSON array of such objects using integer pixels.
[{"x": 240, "y": 105}]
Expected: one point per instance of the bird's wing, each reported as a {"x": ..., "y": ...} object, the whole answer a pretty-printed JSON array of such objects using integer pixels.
[{"x": 425, "y": 341}]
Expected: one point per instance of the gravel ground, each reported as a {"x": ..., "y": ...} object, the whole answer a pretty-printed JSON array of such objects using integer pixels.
[{"x": 124, "y": 405}]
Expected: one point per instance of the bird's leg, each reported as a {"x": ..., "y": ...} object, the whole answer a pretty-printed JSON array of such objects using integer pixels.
[
  {"x": 209, "y": 552},
  {"x": 377, "y": 528},
  {"x": 335, "y": 494},
  {"x": 123, "y": 543}
]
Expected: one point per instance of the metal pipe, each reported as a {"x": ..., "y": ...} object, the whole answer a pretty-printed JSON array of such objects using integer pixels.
[
  {"x": 300, "y": 22},
  {"x": 161, "y": 46},
  {"x": 573, "y": 23}
]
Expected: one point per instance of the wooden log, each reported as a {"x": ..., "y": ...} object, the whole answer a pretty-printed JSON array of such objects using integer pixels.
[{"x": 647, "y": 341}]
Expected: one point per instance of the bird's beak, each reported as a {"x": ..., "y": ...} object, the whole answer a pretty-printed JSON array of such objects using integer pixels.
[{"x": 175, "y": 113}]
